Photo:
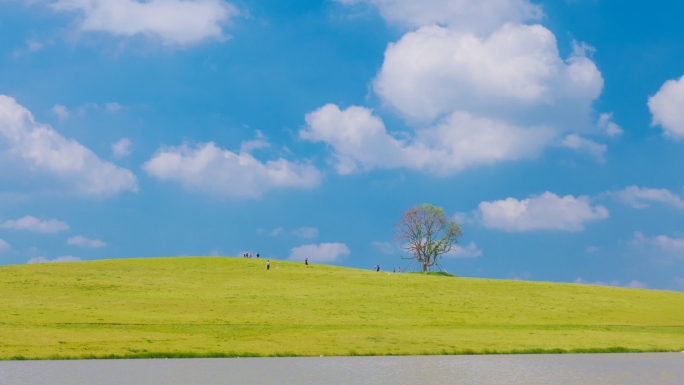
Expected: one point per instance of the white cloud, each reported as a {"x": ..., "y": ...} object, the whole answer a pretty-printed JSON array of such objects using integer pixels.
[
  {"x": 641, "y": 197},
  {"x": 219, "y": 172},
  {"x": 306, "y": 232},
  {"x": 544, "y": 212},
  {"x": 667, "y": 108},
  {"x": 608, "y": 126},
  {"x": 122, "y": 148},
  {"x": 67, "y": 258},
  {"x": 61, "y": 111},
  {"x": 276, "y": 232},
  {"x": 465, "y": 218},
  {"x": 634, "y": 284},
  {"x": 360, "y": 141},
  {"x": 324, "y": 252},
  {"x": 591, "y": 249},
  {"x": 598, "y": 283},
  {"x": 36, "y": 225},
  {"x": 31, "y": 46},
  {"x": 661, "y": 244},
  {"x": 386, "y": 247},
  {"x": 470, "y": 251},
  {"x": 481, "y": 86},
  {"x": 42, "y": 148},
  {"x": 580, "y": 144},
  {"x": 34, "y": 46},
  {"x": 85, "y": 242},
  {"x": 473, "y": 15},
  {"x": 256, "y": 144},
  {"x": 4, "y": 246},
  {"x": 173, "y": 22},
  {"x": 302, "y": 232},
  {"x": 516, "y": 70},
  {"x": 113, "y": 107}
]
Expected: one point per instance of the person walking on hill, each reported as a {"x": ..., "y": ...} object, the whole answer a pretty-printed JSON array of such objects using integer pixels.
[
  {"x": 268, "y": 264},
  {"x": 257, "y": 255},
  {"x": 306, "y": 262}
]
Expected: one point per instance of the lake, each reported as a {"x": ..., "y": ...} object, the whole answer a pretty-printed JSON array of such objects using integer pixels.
[{"x": 594, "y": 369}]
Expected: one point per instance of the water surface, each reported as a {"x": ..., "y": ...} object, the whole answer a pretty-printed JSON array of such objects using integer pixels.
[{"x": 594, "y": 369}]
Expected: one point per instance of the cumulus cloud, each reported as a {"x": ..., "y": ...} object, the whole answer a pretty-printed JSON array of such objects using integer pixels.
[
  {"x": 661, "y": 244},
  {"x": 219, "y": 172},
  {"x": 302, "y": 232},
  {"x": 31, "y": 46},
  {"x": 85, "y": 242},
  {"x": 481, "y": 87},
  {"x": 36, "y": 225},
  {"x": 470, "y": 251},
  {"x": 642, "y": 197},
  {"x": 4, "y": 246},
  {"x": 634, "y": 284},
  {"x": 40, "y": 147},
  {"x": 472, "y": 15},
  {"x": 113, "y": 107},
  {"x": 386, "y": 247},
  {"x": 544, "y": 212},
  {"x": 61, "y": 111},
  {"x": 277, "y": 231},
  {"x": 173, "y": 22},
  {"x": 122, "y": 148},
  {"x": 667, "y": 108},
  {"x": 324, "y": 252},
  {"x": 590, "y": 147},
  {"x": 67, "y": 258},
  {"x": 598, "y": 283},
  {"x": 607, "y": 126},
  {"x": 306, "y": 232},
  {"x": 360, "y": 141},
  {"x": 436, "y": 70}
]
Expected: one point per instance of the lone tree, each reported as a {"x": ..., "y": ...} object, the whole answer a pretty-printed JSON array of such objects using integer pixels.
[{"x": 426, "y": 232}]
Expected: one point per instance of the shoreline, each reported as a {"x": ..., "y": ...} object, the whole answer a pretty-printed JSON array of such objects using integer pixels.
[{"x": 352, "y": 353}]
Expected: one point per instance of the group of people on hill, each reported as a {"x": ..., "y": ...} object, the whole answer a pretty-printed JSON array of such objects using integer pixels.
[{"x": 249, "y": 255}]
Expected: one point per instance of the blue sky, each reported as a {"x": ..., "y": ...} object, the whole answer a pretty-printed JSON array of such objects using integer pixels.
[{"x": 551, "y": 130}]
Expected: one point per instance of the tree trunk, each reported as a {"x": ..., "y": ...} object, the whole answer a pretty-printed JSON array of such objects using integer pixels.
[{"x": 425, "y": 267}]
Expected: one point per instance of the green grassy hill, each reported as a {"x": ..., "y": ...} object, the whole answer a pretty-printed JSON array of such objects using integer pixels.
[{"x": 233, "y": 306}]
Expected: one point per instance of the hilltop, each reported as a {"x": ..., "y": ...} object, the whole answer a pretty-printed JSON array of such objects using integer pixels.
[{"x": 214, "y": 306}]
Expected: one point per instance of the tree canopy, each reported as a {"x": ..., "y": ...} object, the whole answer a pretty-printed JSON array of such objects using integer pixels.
[{"x": 427, "y": 232}]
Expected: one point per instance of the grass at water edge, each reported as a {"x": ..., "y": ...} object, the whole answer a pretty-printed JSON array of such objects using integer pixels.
[{"x": 351, "y": 353}]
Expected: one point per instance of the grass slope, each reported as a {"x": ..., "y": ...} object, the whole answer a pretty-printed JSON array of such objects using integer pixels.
[{"x": 216, "y": 307}]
